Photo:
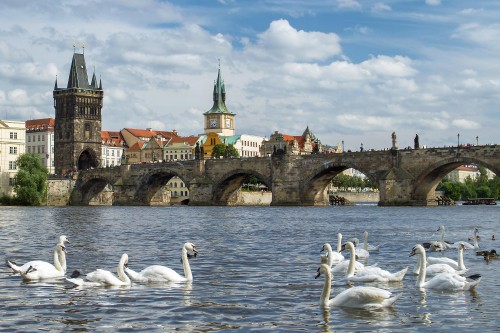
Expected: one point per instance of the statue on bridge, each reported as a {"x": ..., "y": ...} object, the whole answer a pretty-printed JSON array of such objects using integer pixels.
[
  {"x": 394, "y": 143},
  {"x": 416, "y": 143}
]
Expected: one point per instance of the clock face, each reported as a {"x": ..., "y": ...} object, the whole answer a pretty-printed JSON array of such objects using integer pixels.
[
  {"x": 213, "y": 123},
  {"x": 228, "y": 123}
]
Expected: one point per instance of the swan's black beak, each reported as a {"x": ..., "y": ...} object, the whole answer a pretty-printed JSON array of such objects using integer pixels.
[
  {"x": 317, "y": 274},
  {"x": 322, "y": 249},
  {"x": 412, "y": 253},
  {"x": 342, "y": 248},
  {"x": 63, "y": 248}
]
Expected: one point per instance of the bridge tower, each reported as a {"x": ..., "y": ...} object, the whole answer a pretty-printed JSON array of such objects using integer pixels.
[
  {"x": 77, "y": 132},
  {"x": 219, "y": 119}
]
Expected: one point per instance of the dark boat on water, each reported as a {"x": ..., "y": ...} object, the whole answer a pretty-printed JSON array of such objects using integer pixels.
[{"x": 480, "y": 201}]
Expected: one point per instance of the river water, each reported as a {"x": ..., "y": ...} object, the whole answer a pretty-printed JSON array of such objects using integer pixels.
[{"x": 255, "y": 270}]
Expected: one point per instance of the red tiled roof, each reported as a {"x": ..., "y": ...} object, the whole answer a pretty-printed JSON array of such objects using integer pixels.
[
  {"x": 40, "y": 123},
  {"x": 146, "y": 133},
  {"x": 191, "y": 140},
  {"x": 137, "y": 146},
  {"x": 112, "y": 138}
]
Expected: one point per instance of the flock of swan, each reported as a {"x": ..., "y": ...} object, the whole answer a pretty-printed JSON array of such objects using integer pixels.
[
  {"x": 41, "y": 270},
  {"x": 445, "y": 274}
]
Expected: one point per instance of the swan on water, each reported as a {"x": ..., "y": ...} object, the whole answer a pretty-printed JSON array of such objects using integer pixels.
[
  {"x": 367, "y": 246},
  {"x": 457, "y": 265},
  {"x": 101, "y": 277},
  {"x": 365, "y": 297},
  {"x": 474, "y": 238},
  {"x": 158, "y": 273},
  {"x": 360, "y": 253},
  {"x": 334, "y": 256},
  {"x": 41, "y": 270},
  {"x": 370, "y": 273},
  {"x": 442, "y": 281}
]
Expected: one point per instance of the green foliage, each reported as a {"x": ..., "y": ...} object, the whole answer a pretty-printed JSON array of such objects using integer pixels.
[
  {"x": 481, "y": 187},
  {"x": 344, "y": 182},
  {"x": 31, "y": 180},
  {"x": 225, "y": 151}
]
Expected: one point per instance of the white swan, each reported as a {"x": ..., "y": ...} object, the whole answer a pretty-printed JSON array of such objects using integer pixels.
[
  {"x": 157, "y": 273},
  {"x": 334, "y": 256},
  {"x": 370, "y": 274},
  {"x": 41, "y": 270},
  {"x": 475, "y": 245},
  {"x": 360, "y": 253},
  {"x": 443, "y": 281},
  {"x": 367, "y": 246},
  {"x": 356, "y": 297},
  {"x": 101, "y": 277},
  {"x": 457, "y": 265}
]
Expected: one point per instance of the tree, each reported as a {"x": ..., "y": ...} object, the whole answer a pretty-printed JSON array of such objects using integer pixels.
[
  {"x": 31, "y": 180},
  {"x": 225, "y": 151}
]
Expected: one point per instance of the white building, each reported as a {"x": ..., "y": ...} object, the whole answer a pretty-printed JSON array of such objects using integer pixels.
[
  {"x": 12, "y": 145},
  {"x": 40, "y": 140},
  {"x": 113, "y": 147},
  {"x": 247, "y": 145},
  {"x": 178, "y": 190}
]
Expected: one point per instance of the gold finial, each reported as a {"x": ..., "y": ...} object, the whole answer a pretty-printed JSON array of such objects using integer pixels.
[
  {"x": 83, "y": 47},
  {"x": 74, "y": 46}
]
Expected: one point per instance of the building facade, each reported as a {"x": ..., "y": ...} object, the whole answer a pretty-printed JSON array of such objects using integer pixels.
[
  {"x": 77, "y": 141},
  {"x": 40, "y": 140},
  {"x": 12, "y": 145},
  {"x": 113, "y": 147},
  {"x": 303, "y": 144},
  {"x": 219, "y": 119}
]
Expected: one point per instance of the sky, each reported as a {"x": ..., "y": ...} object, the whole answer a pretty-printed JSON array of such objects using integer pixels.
[{"x": 354, "y": 71}]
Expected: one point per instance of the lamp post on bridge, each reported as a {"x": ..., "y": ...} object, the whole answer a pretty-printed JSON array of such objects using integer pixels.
[
  {"x": 477, "y": 140},
  {"x": 458, "y": 138}
]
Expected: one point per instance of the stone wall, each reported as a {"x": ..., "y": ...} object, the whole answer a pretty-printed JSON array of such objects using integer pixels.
[
  {"x": 245, "y": 198},
  {"x": 59, "y": 191},
  {"x": 360, "y": 196}
]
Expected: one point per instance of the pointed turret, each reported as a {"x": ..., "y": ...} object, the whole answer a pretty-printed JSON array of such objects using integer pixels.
[
  {"x": 55, "y": 84},
  {"x": 93, "y": 83},
  {"x": 78, "y": 73},
  {"x": 219, "y": 97}
]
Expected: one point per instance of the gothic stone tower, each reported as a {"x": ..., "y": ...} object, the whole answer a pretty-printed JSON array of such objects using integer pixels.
[
  {"x": 77, "y": 132},
  {"x": 219, "y": 119}
]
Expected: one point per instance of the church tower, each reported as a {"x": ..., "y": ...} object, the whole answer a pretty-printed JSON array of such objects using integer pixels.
[
  {"x": 77, "y": 132},
  {"x": 219, "y": 119}
]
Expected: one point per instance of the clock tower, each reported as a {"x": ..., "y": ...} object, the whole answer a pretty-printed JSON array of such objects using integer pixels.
[{"x": 219, "y": 119}]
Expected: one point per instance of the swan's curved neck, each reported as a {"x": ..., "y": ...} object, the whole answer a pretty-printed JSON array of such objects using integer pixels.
[
  {"x": 121, "y": 272},
  {"x": 442, "y": 234},
  {"x": 327, "y": 289},
  {"x": 423, "y": 266},
  {"x": 365, "y": 242},
  {"x": 329, "y": 252},
  {"x": 185, "y": 264},
  {"x": 58, "y": 252},
  {"x": 461, "y": 265},
  {"x": 352, "y": 260},
  {"x": 339, "y": 242}
]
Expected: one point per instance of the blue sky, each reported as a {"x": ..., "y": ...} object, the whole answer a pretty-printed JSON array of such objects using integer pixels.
[{"x": 353, "y": 71}]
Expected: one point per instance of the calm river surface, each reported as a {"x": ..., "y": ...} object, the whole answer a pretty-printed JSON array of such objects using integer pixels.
[{"x": 255, "y": 270}]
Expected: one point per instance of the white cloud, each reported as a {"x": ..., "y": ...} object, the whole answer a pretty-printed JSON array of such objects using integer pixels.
[
  {"x": 380, "y": 7},
  {"x": 433, "y": 2},
  {"x": 349, "y": 4},
  {"x": 466, "y": 124}
]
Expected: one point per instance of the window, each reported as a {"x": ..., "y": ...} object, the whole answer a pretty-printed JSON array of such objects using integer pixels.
[
  {"x": 12, "y": 165},
  {"x": 29, "y": 149},
  {"x": 12, "y": 181},
  {"x": 38, "y": 137},
  {"x": 29, "y": 138},
  {"x": 43, "y": 138},
  {"x": 87, "y": 131},
  {"x": 12, "y": 150},
  {"x": 13, "y": 135}
]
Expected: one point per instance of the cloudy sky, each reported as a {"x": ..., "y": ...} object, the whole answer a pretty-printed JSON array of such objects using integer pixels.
[{"x": 353, "y": 71}]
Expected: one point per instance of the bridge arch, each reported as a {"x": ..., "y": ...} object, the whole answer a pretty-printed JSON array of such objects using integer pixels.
[
  {"x": 426, "y": 183},
  {"x": 87, "y": 159},
  {"x": 97, "y": 191},
  {"x": 230, "y": 182},
  {"x": 151, "y": 190},
  {"x": 313, "y": 189}
]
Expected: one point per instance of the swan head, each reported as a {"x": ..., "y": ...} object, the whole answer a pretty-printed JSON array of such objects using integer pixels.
[
  {"x": 347, "y": 246},
  {"x": 441, "y": 228},
  {"x": 124, "y": 259},
  {"x": 355, "y": 241},
  {"x": 417, "y": 249},
  {"x": 61, "y": 248},
  {"x": 326, "y": 247},
  {"x": 191, "y": 247},
  {"x": 365, "y": 234},
  {"x": 64, "y": 239},
  {"x": 322, "y": 269}
]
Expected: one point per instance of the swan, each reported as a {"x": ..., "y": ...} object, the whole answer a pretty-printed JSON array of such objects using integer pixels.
[
  {"x": 41, "y": 270},
  {"x": 474, "y": 238},
  {"x": 157, "y": 273},
  {"x": 368, "y": 298},
  {"x": 370, "y": 274},
  {"x": 367, "y": 246},
  {"x": 435, "y": 269},
  {"x": 360, "y": 253},
  {"x": 333, "y": 256},
  {"x": 101, "y": 277},
  {"x": 458, "y": 265},
  {"x": 443, "y": 281}
]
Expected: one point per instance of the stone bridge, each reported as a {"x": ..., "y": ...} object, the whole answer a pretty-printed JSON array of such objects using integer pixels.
[{"x": 404, "y": 177}]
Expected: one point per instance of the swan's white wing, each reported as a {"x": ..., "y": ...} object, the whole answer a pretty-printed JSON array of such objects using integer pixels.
[
  {"x": 446, "y": 281},
  {"x": 39, "y": 270},
  {"x": 158, "y": 273},
  {"x": 104, "y": 277},
  {"x": 362, "y": 253},
  {"x": 337, "y": 257},
  {"x": 447, "y": 261},
  {"x": 376, "y": 274},
  {"x": 436, "y": 269},
  {"x": 363, "y": 297},
  {"x": 341, "y": 267}
]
